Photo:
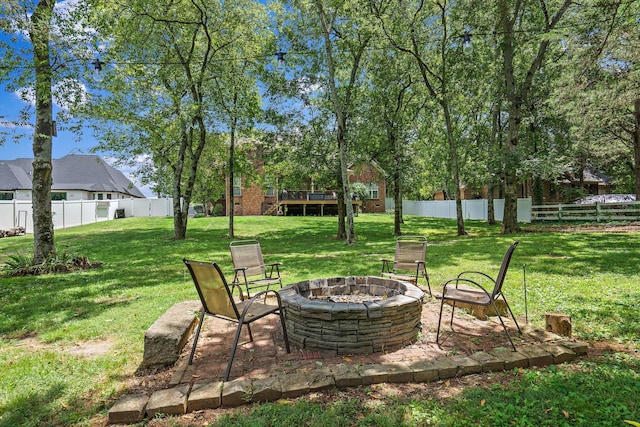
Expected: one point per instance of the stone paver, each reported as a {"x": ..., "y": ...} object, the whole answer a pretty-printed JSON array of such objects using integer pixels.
[
  {"x": 236, "y": 392},
  {"x": 129, "y": 409},
  {"x": 206, "y": 395},
  {"x": 170, "y": 401}
]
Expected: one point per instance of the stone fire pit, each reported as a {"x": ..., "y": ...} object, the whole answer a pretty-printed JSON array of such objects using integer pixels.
[{"x": 352, "y": 315}]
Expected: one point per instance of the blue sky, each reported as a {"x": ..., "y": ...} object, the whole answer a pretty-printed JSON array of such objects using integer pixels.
[{"x": 65, "y": 143}]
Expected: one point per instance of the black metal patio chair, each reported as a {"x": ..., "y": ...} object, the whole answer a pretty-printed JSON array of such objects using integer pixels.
[
  {"x": 217, "y": 300},
  {"x": 469, "y": 291}
]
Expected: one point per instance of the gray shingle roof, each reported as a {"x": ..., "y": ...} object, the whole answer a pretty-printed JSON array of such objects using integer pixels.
[{"x": 71, "y": 172}]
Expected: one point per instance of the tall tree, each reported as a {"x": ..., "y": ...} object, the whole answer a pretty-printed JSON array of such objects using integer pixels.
[
  {"x": 339, "y": 31},
  {"x": 169, "y": 60},
  {"x": 39, "y": 33},
  {"x": 422, "y": 31},
  {"x": 519, "y": 70},
  {"x": 38, "y": 61},
  {"x": 599, "y": 96}
]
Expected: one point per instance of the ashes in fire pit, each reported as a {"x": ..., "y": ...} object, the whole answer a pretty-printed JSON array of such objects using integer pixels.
[{"x": 352, "y": 315}]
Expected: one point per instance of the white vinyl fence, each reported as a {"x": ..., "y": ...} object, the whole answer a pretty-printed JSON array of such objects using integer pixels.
[
  {"x": 19, "y": 213},
  {"x": 471, "y": 209}
]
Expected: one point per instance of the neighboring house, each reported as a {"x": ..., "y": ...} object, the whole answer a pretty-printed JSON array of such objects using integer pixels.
[
  {"x": 563, "y": 190},
  {"x": 269, "y": 200},
  {"x": 74, "y": 176}
]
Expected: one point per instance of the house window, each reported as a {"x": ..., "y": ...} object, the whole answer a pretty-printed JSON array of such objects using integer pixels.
[
  {"x": 269, "y": 189},
  {"x": 372, "y": 188},
  {"x": 6, "y": 196},
  {"x": 59, "y": 195},
  {"x": 237, "y": 186},
  {"x": 99, "y": 196},
  {"x": 108, "y": 196}
]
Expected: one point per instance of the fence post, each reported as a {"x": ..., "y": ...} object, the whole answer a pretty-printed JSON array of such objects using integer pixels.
[
  {"x": 598, "y": 211},
  {"x": 560, "y": 212}
]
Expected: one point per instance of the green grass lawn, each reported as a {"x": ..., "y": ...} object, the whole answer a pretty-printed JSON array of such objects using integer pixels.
[{"x": 593, "y": 277}]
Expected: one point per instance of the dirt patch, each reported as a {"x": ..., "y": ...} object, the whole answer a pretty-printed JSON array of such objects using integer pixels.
[{"x": 90, "y": 350}]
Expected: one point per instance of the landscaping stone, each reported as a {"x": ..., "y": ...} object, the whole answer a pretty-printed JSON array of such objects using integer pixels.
[
  {"x": 514, "y": 359},
  {"x": 560, "y": 354},
  {"x": 267, "y": 389},
  {"x": 489, "y": 362},
  {"x": 467, "y": 365},
  {"x": 295, "y": 385},
  {"x": 423, "y": 371},
  {"x": 129, "y": 409},
  {"x": 537, "y": 356},
  {"x": 447, "y": 368},
  {"x": 205, "y": 396},
  {"x": 374, "y": 374},
  {"x": 320, "y": 379},
  {"x": 236, "y": 393},
  {"x": 579, "y": 348},
  {"x": 170, "y": 401},
  {"x": 164, "y": 340},
  {"x": 399, "y": 372},
  {"x": 346, "y": 375}
]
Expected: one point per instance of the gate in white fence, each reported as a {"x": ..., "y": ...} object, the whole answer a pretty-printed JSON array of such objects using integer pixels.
[{"x": 19, "y": 213}]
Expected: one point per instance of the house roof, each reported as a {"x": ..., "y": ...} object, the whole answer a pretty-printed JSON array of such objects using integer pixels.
[{"x": 72, "y": 172}]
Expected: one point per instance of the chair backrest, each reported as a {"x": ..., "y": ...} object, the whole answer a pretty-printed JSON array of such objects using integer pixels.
[
  {"x": 503, "y": 269},
  {"x": 212, "y": 288},
  {"x": 409, "y": 249},
  {"x": 247, "y": 254}
]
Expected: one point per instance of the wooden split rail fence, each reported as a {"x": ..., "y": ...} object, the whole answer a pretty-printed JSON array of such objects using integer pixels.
[{"x": 624, "y": 211}]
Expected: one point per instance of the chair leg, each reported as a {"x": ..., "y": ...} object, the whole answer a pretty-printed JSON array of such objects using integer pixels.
[
  {"x": 439, "y": 321},
  {"x": 284, "y": 331},
  {"x": 426, "y": 276},
  {"x": 453, "y": 308},
  {"x": 233, "y": 351},
  {"x": 250, "y": 334},
  {"x": 195, "y": 339},
  {"x": 503, "y": 325},
  {"x": 511, "y": 313}
]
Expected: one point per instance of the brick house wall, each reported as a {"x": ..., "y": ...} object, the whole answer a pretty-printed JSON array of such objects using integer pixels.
[
  {"x": 368, "y": 173},
  {"x": 254, "y": 201}
]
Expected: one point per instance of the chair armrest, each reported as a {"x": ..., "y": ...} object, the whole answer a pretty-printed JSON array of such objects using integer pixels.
[
  {"x": 240, "y": 269},
  {"x": 486, "y": 276},
  {"x": 458, "y": 280},
  {"x": 272, "y": 264},
  {"x": 255, "y": 298}
]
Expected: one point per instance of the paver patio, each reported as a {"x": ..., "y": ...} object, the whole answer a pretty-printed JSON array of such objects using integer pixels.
[{"x": 263, "y": 371}]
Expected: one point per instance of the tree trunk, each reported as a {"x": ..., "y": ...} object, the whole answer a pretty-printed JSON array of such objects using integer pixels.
[
  {"x": 349, "y": 229},
  {"x": 397, "y": 199},
  {"x": 636, "y": 147},
  {"x": 491, "y": 212},
  {"x": 342, "y": 233},
  {"x": 453, "y": 153},
  {"x": 43, "y": 238},
  {"x": 231, "y": 196},
  {"x": 510, "y": 215}
]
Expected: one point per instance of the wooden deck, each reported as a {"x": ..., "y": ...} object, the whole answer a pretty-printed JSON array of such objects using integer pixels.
[{"x": 296, "y": 207}]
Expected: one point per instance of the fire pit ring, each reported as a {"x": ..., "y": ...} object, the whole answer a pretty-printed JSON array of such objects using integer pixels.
[{"x": 352, "y": 315}]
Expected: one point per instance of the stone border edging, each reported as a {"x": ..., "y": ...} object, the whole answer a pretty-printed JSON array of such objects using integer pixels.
[{"x": 183, "y": 398}]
